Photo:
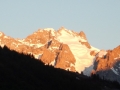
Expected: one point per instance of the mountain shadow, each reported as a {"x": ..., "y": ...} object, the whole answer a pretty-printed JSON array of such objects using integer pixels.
[{"x": 24, "y": 72}]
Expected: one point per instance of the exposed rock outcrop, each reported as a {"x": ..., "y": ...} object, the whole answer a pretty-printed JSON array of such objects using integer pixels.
[
  {"x": 65, "y": 58},
  {"x": 84, "y": 41},
  {"x": 107, "y": 64},
  {"x": 82, "y": 34},
  {"x": 86, "y": 44},
  {"x": 60, "y": 57},
  {"x": 93, "y": 53},
  {"x": 41, "y": 36},
  {"x": 47, "y": 56}
]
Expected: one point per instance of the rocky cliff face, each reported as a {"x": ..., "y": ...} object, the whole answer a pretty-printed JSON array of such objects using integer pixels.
[
  {"x": 65, "y": 58},
  {"x": 63, "y": 48},
  {"x": 83, "y": 36},
  {"x": 107, "y": 64}
]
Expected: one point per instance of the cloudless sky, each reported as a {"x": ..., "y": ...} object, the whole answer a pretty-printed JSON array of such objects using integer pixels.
[{"x": 99, "y": 19}]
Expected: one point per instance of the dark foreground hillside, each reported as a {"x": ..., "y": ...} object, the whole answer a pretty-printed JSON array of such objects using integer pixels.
[{"x": 23, "y": 72}]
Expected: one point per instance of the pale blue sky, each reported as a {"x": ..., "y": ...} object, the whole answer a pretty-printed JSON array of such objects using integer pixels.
[{"x": 99, "y": 19}]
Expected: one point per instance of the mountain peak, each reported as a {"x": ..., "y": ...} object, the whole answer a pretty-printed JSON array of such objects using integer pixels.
[
  {"x": 62, "y": 29},
  {"x": 46, "y": 44}
]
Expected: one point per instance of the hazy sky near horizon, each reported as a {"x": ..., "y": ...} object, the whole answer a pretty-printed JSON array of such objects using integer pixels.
[{"x": 99, "y": 19}]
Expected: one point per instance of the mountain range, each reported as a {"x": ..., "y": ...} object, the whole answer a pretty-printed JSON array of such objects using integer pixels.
[{"x": 68, "y": 50}]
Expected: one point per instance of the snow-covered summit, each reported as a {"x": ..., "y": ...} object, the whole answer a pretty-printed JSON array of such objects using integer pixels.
[
  {"x": 77, "y": 43},
  {"x": 65, "y": 48}
]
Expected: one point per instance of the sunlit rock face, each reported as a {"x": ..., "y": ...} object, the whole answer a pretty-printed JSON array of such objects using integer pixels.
[
  {"x": 107, "y": 64},
  {"x": 60, "y": 48},
  {"x": 93, "y": 53},
  {"x": 65, "y": 58},
  {"x": 83, "y": 36}
]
